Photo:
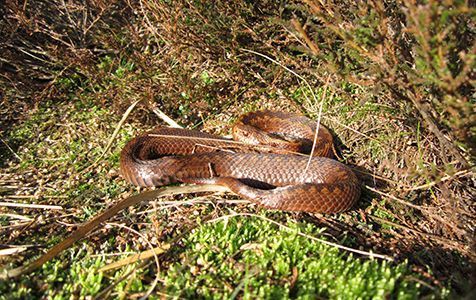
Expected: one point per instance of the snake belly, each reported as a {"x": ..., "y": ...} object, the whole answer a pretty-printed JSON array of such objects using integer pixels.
[{"x": 274, "y": 180}]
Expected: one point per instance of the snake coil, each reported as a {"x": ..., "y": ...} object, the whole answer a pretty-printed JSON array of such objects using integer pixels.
[{"x": 277, "y": 177}]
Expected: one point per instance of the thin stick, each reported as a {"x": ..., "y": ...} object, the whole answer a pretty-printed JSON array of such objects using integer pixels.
[
  {"x": 102, "y": 217},
  {"x": 201, "y": 200},
  {"x": 35, "y": 197},
  {"x": 21, "y": 225},
  {"x": 352, "y": 129},
  {"x": 11, "y": 150},
  {"x": 417, "y": 101},
  {"x": 133, "y": 257},
  {"x": 317, "y": 128},
  {"x": 166, "y": 118},
  {"x": 12, "y": 250},
  {"x": 284, "y": 67},
  {"x": 370, "y": 254},
  {"x": 156, "y": 280},
  {"x": 150, "y": 26},
  {"x": 394, "y": 198},
  {"x": 440, "y": 239},
  {"x": 224, "y": 141},
  {"x": 302, "y": 32},
  {"x": 27, "y": 205},
  {"x": 104, "y": 294},
  {"x": 313, "y": 96},
  {"x": 442, "y": 179},
  {"x": 113, "y": 136},
  {"x": 185, "y": 137},
  {"x": 15, "y": 216},
  {"x": 374, "y": 175}
]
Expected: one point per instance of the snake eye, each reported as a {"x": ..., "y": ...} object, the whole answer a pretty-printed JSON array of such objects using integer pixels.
[{"x": 244, "y": 133}]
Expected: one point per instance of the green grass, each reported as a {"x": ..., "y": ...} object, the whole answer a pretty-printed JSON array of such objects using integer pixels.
[
  {"x": 58, "y": 143},
  {"x": 254, "y": 258},
  {"x": 245, "y": 257},
  {"x": 74, "y": 274}
]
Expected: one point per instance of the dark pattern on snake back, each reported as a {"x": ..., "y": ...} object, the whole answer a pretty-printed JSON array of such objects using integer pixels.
[{"x": 273, "y": 180}]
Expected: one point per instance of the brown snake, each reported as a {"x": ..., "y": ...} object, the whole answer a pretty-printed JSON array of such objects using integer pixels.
[{"x": 278, "y": 180}]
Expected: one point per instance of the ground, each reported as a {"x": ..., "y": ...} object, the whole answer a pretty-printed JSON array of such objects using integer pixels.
[{"x": 393, "y": 84}]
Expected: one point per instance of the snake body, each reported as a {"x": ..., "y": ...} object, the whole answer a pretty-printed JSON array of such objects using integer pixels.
[{"x": 277, "y": 180}]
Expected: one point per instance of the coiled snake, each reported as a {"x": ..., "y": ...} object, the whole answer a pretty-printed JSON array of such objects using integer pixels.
[{"x": 274, "y": 177}]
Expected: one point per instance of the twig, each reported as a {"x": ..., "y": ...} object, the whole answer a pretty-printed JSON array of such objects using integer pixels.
[
  {"x": 184, "y": 137},
  {"x": 35, "y": 197},
  {"x": 313, "y": 96},
  {"x": 166, "y": 118},
  {"x": 27, "y": 205},
  {"x": 18, "y": 225},
  {"x": 105, "y": 292},
  {"x": 198, "y": 200},
  {"x": 373, "y": 175},
  {"x": 15, "y": 216},
  {"x": 114, "y": 135},
  {"x": 440, "y": 239},
  {"x": 102, "y": 217},
  {"x": 316, "y": 133},
  {"x": 394, "y": 198},
  {"x": 11, "y": 150},
  {"x": 302, "y": 32},
  {"x": 284, "y": 67},
  {"x": 154, "y": 254},
  {"x": 442, "y": 179},
  {"x": 352, "y": 129},
  {"x": 150, "y": 26},
  {"x": 430, "y": 122},
  {"x": 224, "y": 140},
  {"x": 12, "y": 250},
  {"x": 135, "y": 257},
  {"x": 113, "y": 254}
]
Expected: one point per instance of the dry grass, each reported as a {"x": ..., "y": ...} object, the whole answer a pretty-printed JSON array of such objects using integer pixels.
[{"x": 399, "y": 98}]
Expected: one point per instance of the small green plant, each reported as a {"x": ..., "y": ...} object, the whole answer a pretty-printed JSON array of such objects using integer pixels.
[{"x": 259, "y": 259}]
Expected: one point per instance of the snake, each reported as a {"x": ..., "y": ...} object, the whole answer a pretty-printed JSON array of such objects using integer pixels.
[{"x": 276, "y": 159}]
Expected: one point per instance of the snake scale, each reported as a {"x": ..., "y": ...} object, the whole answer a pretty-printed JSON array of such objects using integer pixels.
[{"x": 274, "y": 176}]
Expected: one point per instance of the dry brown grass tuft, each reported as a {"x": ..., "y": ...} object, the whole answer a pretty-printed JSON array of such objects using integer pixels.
[{"x": 43, "y": 42}]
